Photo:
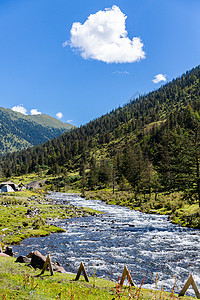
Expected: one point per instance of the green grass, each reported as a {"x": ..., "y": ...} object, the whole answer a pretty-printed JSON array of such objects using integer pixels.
[
  {"x": 179, "y": 210},
  {"x": 16, "y": 224},
  {"x": 18, "y": 282}
]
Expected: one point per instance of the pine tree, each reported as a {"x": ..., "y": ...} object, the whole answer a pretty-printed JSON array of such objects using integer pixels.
[{"x": 93, "y": 174}]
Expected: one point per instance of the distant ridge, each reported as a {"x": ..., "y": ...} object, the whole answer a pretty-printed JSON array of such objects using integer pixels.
[{"x": 19, "y": 131}]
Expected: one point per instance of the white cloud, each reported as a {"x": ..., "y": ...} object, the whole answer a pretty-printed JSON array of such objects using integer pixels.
[
  {"x": 20, "y": 108},
  {"x": 121, "y": 72},
  {"x": 35, "y": 111},
  {"x": 59, "y": 115},
  {"x": 69, "y": 121},
  {"x": 103, "y": 37},
  {"x": 158, "y": 78}
]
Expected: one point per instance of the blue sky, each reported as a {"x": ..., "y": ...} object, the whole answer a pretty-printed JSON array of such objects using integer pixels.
[{"x": 82, "y": 59}]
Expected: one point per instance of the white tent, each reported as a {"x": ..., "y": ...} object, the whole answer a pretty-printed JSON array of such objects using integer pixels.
[{"x": 6, "y": 188}]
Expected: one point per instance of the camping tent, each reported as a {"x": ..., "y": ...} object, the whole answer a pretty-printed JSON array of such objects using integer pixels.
[
  {"x": 6, "y": 188},
  {"x": 10, "y": 184}
]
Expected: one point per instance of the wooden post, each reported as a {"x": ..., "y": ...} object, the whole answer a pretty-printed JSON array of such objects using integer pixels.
[
  {"x": 81, "y": 269},
  {"x": 189, "y": 282},
  {"x": 124, "y": 275},
  {"x": 47, "y": 262}
]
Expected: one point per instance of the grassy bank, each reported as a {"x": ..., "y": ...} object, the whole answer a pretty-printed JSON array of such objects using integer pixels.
[
  {"x": 26, "y": 214},
  {"x": 18, "y": 281},
  {"x": 180, "y": 211}
]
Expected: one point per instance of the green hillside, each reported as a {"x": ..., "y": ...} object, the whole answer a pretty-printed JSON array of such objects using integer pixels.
[
  {"x": 149, "y": 146},
  {"x": 18, "y": 131}
]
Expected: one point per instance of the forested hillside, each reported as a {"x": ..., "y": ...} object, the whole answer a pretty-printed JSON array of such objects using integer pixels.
[
  {"x": 19, "y": 131},
  {"x": 150, "y": 145}
]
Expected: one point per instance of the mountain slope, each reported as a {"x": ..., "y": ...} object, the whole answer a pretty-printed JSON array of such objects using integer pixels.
[
  {"x": 151, "y": 144},
  {"x": 18, "y": 131}
]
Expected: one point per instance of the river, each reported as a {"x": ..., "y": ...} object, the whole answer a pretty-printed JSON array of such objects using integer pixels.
[{"x": 147, "y": 244}]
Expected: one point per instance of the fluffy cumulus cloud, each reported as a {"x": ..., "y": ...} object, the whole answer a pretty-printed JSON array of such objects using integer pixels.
[
  {"x": 103, "y": 37},
  {"x": 158, "y": 78},
  {"x": 20, "y": 108},
  {"x": 59, "y": 115},
  {"x": 35, "y": 111}
]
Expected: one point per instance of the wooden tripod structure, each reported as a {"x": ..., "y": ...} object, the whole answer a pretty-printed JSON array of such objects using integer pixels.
[
  {"x": 189, "y": 282},
  {"x": 47, "y": 262},
  {"x": 124, "y": 275},
  {"x": 80, "y": 270}
]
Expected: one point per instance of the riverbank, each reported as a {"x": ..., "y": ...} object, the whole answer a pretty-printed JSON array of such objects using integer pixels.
[
  {"x": 29, "y": 214},
  {"x": 21, "y": 282},
  {"x": 81, "y": 289},
  {"x": 179, "y": 210}
]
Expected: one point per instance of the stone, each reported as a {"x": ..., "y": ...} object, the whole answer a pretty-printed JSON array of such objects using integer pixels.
[
  {"x": 9, "y": 251},
  {"x": 37, "y": 260},
  {"x": 4, "y": 255},
  {"x": 30, "y": 255},
  {"x": 31, "y": 212},
  {"x": 23, "y": 259},
  {"x": 57, "y": 268}
]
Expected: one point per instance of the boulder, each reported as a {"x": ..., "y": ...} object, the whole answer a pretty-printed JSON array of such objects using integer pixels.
[
  {"x": 37, "y": 260},
  {"x": 57, "y": 268},
  {"x": 32, "y": 212},
  {"x": 23, "y": 259},
  {"x": 9, "y": 251},
  {"x": 30, "y": 255}
]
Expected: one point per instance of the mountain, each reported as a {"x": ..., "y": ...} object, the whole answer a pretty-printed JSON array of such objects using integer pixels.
[
  {"x": 152, "y": 144},
  {"x": 19, "y": 131}
]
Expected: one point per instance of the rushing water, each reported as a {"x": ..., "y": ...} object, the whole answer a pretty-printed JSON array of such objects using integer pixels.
[{"x": 146, "y": 244}]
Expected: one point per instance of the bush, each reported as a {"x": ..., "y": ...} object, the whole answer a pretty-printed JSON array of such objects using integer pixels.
[{"x": 38, "y": 223}]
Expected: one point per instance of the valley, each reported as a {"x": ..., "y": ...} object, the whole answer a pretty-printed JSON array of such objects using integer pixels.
[{"x": 142, "y": 160}]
